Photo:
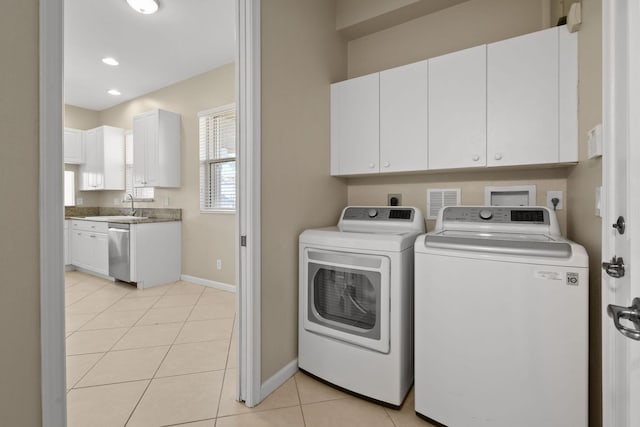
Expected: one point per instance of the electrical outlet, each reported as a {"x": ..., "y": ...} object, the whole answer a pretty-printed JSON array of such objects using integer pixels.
[
  {"x": 555, "y": 195},
  {"x": 79, "y": 201},
  {"x": 219, "y": 264},
  {"x": 166, "y": 201},
  {"x": 394, "y": 199}
]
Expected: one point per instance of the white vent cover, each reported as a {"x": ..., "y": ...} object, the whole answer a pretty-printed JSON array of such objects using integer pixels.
[{"x": 440, "y": 198}]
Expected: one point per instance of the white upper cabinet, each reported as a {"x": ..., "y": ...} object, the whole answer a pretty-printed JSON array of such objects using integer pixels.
[
  {"x": 73, "y": 146},
  {"x": 404, "y": 118},
  {"x": 524, "y": 98},
  {"x": 156, "y": 149},
  {"x": 355, "y": 122},
  {"x": 103, "y": 168},
  {"x": 458, "y": 109}
]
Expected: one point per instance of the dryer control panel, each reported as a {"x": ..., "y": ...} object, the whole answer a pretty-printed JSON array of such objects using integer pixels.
[
  {"x": 378, "y": 214},
  {"x": 381, "y": 219}
]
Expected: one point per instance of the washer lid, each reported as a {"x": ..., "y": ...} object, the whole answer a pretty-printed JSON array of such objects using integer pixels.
[{"x": 389, "y": 241}]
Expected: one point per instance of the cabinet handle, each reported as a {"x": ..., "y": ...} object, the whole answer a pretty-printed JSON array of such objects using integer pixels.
[
  {"x": 498, "y": 156},
  {"x": 372, "y": 165},
  {"x": 93, "y": 236},
  {"x": 475, "y": 158},
  {"x": 387, "y": 164}
]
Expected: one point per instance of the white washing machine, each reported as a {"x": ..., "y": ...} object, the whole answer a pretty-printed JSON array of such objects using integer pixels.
[
  {"x": 356, "y": 289},
  {"x": 501, "y": 312}
]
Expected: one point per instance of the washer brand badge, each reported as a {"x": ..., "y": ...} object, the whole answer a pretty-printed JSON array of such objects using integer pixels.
[
  {"x": 572, "y": 279},
  {"x": 548, "y": 275}
]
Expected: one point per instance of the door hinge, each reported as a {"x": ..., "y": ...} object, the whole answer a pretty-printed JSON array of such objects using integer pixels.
[
  {"x": 243, "y": 240},
  {"x": 614, "y": 268}
]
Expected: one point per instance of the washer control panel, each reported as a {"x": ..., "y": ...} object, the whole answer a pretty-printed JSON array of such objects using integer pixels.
[
  {"x": 378, "y": 214},
  {"x": 496, "y": 214}
]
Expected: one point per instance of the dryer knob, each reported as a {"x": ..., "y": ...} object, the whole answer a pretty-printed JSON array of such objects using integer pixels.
[
  {"x": 486, "y": 214},
  {"x": 373, "y": 213}
]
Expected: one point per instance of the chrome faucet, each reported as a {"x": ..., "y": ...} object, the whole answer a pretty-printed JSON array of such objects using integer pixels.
[{"x": 132, "y": 212}]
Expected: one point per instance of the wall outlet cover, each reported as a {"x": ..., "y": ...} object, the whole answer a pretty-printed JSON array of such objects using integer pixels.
[
  {"x": 219, "y": 264},
  {"x": 557, "y": 195},
  {"x": 79, "y": 201}
]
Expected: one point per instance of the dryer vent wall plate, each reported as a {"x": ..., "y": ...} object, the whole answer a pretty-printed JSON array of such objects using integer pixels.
[
  {"x": 441, "y": 198},
  {"x": 518, "y": 195}
]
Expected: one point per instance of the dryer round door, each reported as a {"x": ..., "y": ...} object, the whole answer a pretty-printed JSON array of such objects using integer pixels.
[{"x": 346, "y": 296}]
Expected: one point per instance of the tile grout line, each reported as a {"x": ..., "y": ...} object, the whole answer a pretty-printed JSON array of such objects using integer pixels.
[
  {"x": 165, "y": 356},
  {"x": 295, "y": 381},
  {"x": 226, "y": 364}
]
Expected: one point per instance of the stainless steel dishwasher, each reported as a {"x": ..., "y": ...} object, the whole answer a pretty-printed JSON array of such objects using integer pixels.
[{"x": 119, "y": 252}]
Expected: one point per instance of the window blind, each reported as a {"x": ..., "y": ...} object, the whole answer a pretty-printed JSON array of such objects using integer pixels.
[{"x": 217, "y": 133}]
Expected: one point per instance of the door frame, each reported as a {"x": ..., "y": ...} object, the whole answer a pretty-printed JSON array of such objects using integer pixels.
[
  {"x": 50, "y": 193},
  {"x": 619, "y": 35}
]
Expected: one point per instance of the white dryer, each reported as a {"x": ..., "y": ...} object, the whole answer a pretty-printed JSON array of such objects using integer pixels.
[
  {"x": 501, "y": 311},
  {"x": 356, "y": 289}
]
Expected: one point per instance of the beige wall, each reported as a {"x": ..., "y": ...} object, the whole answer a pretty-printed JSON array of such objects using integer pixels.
[
  {"x": 373, "y": 191},
  {"x": 584, "y": 226},
  {"x": 465, "y": 25},
  {"x": 205, "y": 237},
  {"x": 301, "y": 55},
  {"x": 20, "y": 403}
]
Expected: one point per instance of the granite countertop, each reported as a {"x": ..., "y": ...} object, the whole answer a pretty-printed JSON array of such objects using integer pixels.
[
  {"x": 118, "y": 215},
  {"x": 120, "y": 220}
]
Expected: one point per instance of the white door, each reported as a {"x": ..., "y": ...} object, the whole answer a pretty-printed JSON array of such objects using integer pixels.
[
  {"x": 621, "y": 177},
  {"x": 403, "y": 118}
]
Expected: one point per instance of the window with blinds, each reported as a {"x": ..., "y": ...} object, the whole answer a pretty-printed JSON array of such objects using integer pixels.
[
  {"x": 218, "y": 159},
  {"x": 139, "y": 193}
]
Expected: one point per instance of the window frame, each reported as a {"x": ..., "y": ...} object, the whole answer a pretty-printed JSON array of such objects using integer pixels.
[{"x": 209, "y": 163}]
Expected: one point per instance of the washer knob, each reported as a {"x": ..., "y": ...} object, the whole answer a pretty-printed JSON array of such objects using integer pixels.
[
  {"x": 373, "y": 213},
  {"x": 486, "y": 214}
]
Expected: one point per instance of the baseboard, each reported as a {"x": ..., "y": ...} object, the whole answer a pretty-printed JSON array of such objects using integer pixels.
[
  {"x": 208, "y": 283},
  {"x": 277, "y": 379}
]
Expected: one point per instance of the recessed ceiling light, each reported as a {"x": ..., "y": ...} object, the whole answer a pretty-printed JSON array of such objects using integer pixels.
[
  {"x": 110, "y": 61},
  {"x": 114, "y": 92},
  {"x": 144, "y": 6}
]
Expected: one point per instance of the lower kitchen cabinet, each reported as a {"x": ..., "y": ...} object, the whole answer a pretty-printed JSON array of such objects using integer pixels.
[
  {"x": 156, "y": 253},
  {"x": 89, "y": 244}
]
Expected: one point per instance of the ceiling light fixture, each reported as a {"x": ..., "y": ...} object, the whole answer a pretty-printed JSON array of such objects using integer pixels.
[
  {"x": 146, "y": 7},
  {"x": 114, "y": 92},
  {"x": 110, "y": 61}
]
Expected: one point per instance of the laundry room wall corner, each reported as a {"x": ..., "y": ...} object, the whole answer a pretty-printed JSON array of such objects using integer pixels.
[
  {"x": 302, "y": 54},
  {"x": 584, "y": 226}
]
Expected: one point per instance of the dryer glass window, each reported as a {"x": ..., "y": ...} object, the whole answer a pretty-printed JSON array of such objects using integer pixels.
[{"x": 346, "y": 296}]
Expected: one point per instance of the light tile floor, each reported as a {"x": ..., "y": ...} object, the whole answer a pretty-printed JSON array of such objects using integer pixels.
[{"x": 165, "y": 356}]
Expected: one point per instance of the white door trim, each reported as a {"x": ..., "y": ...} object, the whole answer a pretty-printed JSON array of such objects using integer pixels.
[
  {"x": 248, "y": 218},
  {"x": 52, "y": 337}
]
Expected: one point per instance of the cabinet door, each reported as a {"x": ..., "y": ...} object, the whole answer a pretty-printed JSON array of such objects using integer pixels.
[
  {"x": 79, "y": 248},
  {"x": 152, "y": 151},
  {"x": 73, "y": 147},
  {"x": 140, "y": 127},
  {"x": 99, "y": 261},
  {"x": 66, "y": 249},
  {"x": 355, "y": 118},
  {"x": 403, "y": 118},
  {"x": 88, "y": 171},
  {"x": 522, "y": 103},
  {"x": 458, "y": 109}
]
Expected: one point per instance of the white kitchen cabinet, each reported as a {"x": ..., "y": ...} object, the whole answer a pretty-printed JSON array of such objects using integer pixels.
[
  {"x": 155, "y": 250},
  {"x": 90, "y": 246},
  {"x": 104, "y": 159},
  {"x": 524, "y": 96},
  {"x": 73, "y": 146},
  {"x": 156, "y": 149},
  {"x": 457, "y": 109},
  {"x": 404, "y": 118},
  {"x": 355, "y": 121}
]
